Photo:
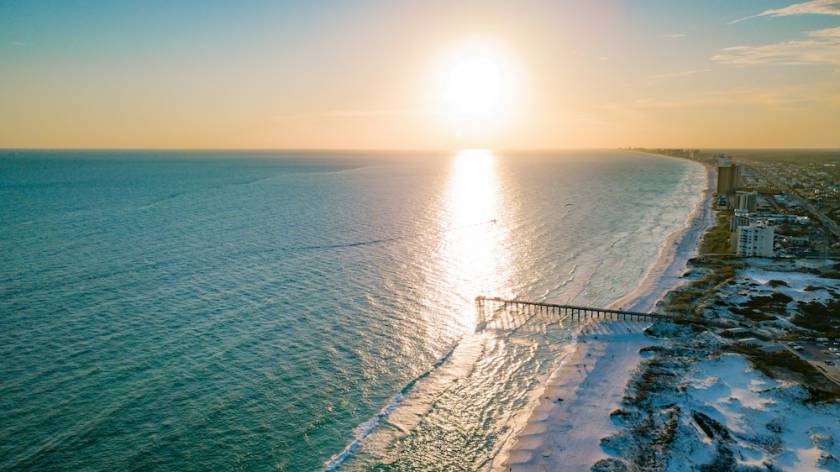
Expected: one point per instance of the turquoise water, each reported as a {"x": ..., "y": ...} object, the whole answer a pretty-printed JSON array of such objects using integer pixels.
[{"x": 271, "y": 311}]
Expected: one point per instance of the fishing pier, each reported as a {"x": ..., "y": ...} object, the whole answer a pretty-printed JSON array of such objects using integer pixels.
[{"x": 500, "y": 313}]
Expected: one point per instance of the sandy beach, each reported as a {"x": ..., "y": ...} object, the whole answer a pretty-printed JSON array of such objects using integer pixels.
[{"x": 572, "y": 415}]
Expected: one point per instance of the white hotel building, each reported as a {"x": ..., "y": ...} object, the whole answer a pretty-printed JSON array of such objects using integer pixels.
[{"x": 754, "y": 240}]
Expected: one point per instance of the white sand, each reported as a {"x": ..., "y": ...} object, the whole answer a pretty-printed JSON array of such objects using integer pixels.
[
  {"x": 566, "y": 435},
  {"x": 730, "y": 391}
]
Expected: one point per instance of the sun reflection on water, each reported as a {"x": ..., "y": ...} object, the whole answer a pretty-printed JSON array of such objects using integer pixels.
[{"x": 475, "y": 256}]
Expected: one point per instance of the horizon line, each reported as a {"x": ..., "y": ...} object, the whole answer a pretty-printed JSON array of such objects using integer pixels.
[{"x": 412, "y": 150}]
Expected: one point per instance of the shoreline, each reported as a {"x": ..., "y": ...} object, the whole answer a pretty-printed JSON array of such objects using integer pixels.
[
  {"x": 683, "y": 244},
  {"x": 572, "y": 410}
]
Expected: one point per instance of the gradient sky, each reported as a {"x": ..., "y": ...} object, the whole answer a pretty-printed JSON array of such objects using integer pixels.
[{"x": 360, "y": 74}]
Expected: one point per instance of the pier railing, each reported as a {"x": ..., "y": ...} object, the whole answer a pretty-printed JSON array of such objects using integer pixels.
[{"x": 500, "y": 313}]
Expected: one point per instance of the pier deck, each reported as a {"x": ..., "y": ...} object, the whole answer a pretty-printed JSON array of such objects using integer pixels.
[{"x": 500, "y": 313}]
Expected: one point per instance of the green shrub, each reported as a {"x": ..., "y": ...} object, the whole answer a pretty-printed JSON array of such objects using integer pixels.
[{"x": 718, "y": 240}]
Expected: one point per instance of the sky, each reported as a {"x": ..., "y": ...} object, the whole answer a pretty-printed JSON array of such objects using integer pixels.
[{"x": 378, "y": 74}]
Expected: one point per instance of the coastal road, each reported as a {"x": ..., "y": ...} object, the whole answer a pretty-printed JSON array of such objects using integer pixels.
[{"x": 815, "y": 354}]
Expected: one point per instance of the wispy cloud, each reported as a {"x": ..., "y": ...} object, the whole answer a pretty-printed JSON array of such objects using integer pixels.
[
  {"x": 348, "y": 113},
  {"x": 576, "y": 53},
  {"x": 678, "y": 74},
  {"x": 765, "y": 98},
  {"x": 367, "y": 113},
  {"x": 812, "y": 7},
  {"x": 822, "y": 48},
  {"x": 673, "y": 35},
  {"x": 826, "y": 33}
]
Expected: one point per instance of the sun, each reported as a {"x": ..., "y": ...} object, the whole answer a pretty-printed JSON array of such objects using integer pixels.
[
  {"x": 474, "y": 86},
  {"x": 477, "y": 88}
]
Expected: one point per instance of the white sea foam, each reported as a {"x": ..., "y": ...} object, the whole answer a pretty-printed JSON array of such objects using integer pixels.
[{"x": 361, "y": 432}]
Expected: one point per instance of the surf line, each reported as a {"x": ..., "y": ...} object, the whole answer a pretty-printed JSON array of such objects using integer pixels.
[
  {"x": 363, "y": 430},
  {"x": 381, "y": 241}
]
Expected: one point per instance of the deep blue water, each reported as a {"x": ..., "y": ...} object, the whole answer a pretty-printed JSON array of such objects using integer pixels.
[{"x": 257, "y": 311}]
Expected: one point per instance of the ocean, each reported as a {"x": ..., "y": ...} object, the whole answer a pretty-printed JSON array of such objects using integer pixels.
[{"x": 301, "y": 311}]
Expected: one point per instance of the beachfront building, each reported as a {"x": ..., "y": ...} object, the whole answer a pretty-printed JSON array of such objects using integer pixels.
[
  {"x": 754, "y": 240},
  {"x": 728, "y": 176},
  {"x": 741, "y": 217},
  {"x": 746, "y": 200},
  {"x": 777, "y": 219}
]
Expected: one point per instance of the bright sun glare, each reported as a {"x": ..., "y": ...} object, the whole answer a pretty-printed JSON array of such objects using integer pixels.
[
  {"x": 474, "y": 86},
  {"x": 476, "y": 89}
]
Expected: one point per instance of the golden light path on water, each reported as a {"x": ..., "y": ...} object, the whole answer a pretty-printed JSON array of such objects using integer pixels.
[
  {"x": 476, "y": 260},
  {"x": 458, "y": 414}
]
